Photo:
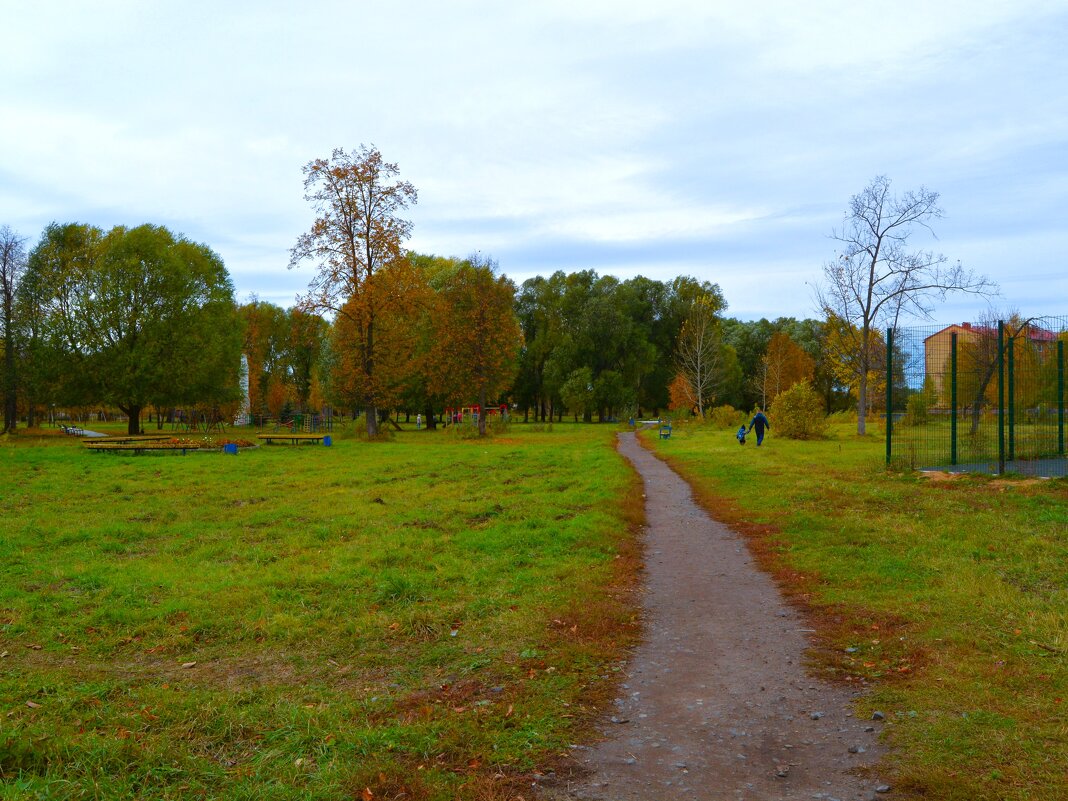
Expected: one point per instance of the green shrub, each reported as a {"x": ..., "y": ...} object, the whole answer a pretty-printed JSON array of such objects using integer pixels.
[
  {"x": 916, "y": 410},
  {"x": 797, "y": 413},
  {"x": 726, "y": 416}
]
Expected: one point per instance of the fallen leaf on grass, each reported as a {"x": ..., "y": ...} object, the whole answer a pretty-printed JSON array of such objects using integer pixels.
[
  {"x": 187, "y": 665},
  {"x": 33, "y": 705},
  {"x": 34, "y": 647},
  {"x": 367, "y": 795}
]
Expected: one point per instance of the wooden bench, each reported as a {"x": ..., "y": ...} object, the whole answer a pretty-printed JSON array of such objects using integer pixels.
[
  {"x": 124, "y": 438},
  {"x": 291, "y": 438},
  {"x": 141, "y": 447}
]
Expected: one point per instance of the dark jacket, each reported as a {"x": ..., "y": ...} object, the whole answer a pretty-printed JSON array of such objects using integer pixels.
[{"x": 760, "y": 422}]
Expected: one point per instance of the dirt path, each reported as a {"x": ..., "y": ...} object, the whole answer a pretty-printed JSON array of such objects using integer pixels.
[{"x": 717, "y": 704}]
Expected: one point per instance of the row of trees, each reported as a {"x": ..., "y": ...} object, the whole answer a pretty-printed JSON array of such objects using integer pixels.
[{"x": 140, "y": 317}]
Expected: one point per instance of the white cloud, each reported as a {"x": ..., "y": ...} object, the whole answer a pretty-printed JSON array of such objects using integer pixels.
[{"x": 555, "y": 134}]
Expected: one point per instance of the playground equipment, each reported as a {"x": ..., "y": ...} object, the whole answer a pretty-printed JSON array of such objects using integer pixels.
[{"x": 470, "y": 414}]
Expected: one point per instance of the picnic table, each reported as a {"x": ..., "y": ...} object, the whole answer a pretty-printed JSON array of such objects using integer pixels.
[{"x": 293, "y": 438}]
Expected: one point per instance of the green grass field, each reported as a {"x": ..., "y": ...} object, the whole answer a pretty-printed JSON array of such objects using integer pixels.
[
  {"x": 441, "y": 618},
  {"x": 429, "y": 617},
  {"x": 949, "y": 598}
]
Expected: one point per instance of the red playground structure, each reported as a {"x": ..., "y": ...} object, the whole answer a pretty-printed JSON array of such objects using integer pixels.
[{"x": 470, "y": 414}]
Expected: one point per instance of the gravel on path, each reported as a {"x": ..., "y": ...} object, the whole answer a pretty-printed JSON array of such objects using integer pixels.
[{"x": 717, "y": 703}]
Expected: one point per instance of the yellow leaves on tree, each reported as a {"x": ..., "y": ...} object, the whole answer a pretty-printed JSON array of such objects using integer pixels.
[{"x": 394, "y": 316}]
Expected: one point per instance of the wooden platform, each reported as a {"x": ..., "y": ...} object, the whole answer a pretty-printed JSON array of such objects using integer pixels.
[
  {"x": 153, "y": 446},
  {"x": 291, "y": 438},
  {"x": 122, "y": 438}
]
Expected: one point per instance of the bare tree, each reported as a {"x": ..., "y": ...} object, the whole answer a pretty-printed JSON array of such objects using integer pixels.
[
  {"x": 356, "y": 235},
  {"x": 699, "y": 352},
  {"x": 12, "y": 265},
  {"x": 877, "y": 278}
]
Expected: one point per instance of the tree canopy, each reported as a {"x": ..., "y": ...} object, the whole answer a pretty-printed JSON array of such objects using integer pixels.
[{"x": 134, "y": 317}]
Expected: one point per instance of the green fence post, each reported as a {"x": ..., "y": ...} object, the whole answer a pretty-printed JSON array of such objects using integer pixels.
[
  {"x": 1011, "y": 398},
  {"x": 953, "y": 398},
  {"x": 1001, "y": 397},
  {"x": 1060, "y": 396},
  {"x": 889, "y": 392}
]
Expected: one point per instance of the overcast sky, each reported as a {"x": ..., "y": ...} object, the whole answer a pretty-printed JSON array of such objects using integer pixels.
[{"x": 713, "y": 139}]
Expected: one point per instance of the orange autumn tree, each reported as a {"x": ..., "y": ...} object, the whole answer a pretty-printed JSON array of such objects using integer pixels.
[
  {"x": 784, "y": 364},
  {"x": 356, "y": 235},
  {"x": 681, "y": 393},
  {"x": 477, "y": 336},
  {"x": 405, "y": 292}
]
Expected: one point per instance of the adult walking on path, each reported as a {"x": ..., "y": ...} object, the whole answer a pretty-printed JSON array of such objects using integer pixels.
[
  {"x": 716, "y": 703},
  {"x": 760, "y": 422}
]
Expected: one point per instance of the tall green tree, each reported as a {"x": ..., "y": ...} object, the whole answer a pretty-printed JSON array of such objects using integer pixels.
[
  {"x": 145, "y": 316},
  {"x": 304, "y": 347},
  {"x": 477, "y": 335}
]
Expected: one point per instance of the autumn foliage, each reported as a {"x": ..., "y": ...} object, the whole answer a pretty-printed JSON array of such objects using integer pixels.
[{"x": 477, "y": 336}]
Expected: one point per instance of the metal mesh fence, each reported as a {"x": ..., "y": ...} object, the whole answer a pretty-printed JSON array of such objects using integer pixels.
[{"x": 986, "y": 397}]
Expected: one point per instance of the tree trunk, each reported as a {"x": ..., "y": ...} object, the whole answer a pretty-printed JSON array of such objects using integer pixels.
[
  {"x": 428, "y": 415},
  {"x": 862, "y": 404},
  {"x": 133, "y": 411},
  {"x": 980, "y": 395},
  {"x": 482, "y": 410},
  {"x": 10, "y": 397}
]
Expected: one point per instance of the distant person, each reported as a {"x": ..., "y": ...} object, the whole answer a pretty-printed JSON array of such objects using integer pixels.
[
  {"x": 760, "y": 422},
  {"x": 741, "y": 434}
]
